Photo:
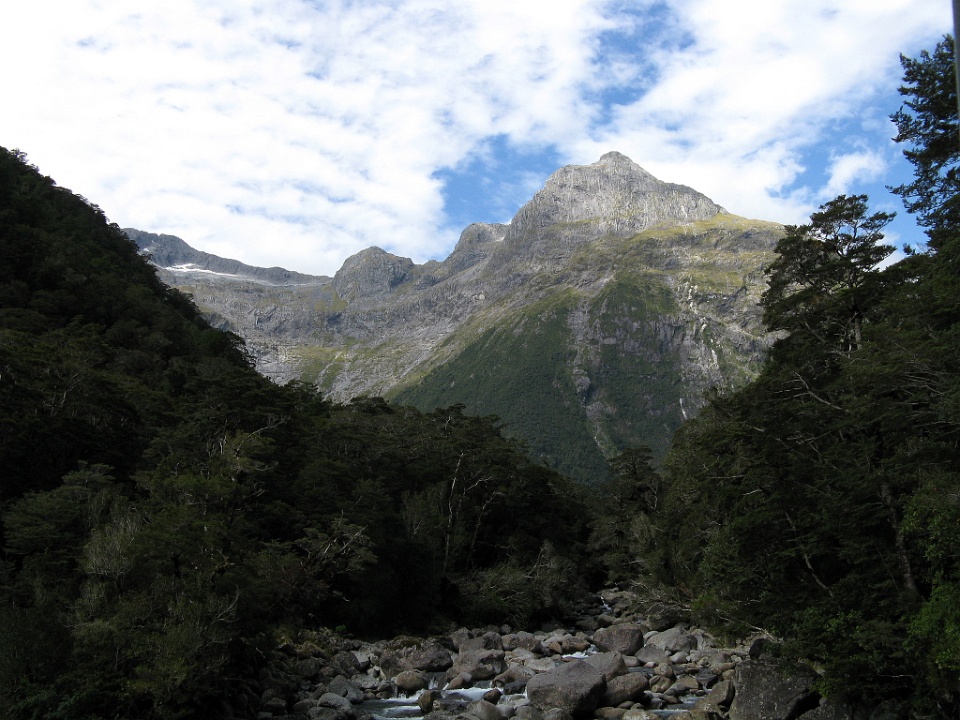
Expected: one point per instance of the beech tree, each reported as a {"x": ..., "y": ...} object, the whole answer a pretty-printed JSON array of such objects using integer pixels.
[{"x": 825, "y": 279}]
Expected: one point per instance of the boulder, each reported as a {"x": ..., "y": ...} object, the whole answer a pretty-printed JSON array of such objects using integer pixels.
[
  {"x": 768, "y": 689},
  {"x": 341, "y": 705},
  {"x": 487, "y": 641},
  {"x": 411, "y": 681},
  {"x": 624, "y": 638},
  {"x": 610, "y": 664},
  {"x": 302, "y": 707},
  {"x": 557, "y": 714},
  {"x": 721, "y": 694},
  {"x": 343, "y": 663},
  {"x": 541, "y": 665},
  {"x": 458, "y": 637},
  {"x": 673, "y": 640},
  {"x": 523, "y": 640},
  {"x": 426, "y": 700},
  {"x": 652, "y": 654},
  {"x": 309, "y": 668},
  {"x": 625, "y": 688},
  {"x": 430, "y": 656},
  {"x": 483, "y": 710},
  {"x": 574, "y": 644},
  {"x": 364, "y": 658},
  {"x": 514, "y": 674},
  {"x": 345, "y": 688},
  {"x": 479, "y": 664},
  {"x": 575, "y": 687},
  {"x": 528, "y": 712},
  {"x": 492, "y": 695},
  {"x": 460, "y": 681}
]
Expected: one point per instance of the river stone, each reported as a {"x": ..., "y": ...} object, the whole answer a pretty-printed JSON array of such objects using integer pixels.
[
  {"x": 309, "y": 668},
  {"x": 426, "y": 700},
  {"x": 529, "y": 641},
  {"x": 344, "y": 663},
  {"x": 624, "y": 638},
  {"x": 345, "y": 688},
  {"x": 364, "y": 658},
  {"x": 721, "y": 694},
  {"x": 528, "y": 712},
  {"x": 341, "y": 706},
  {"x": 652, "y": 654},
  {"x": 575, "y": 687},
  {"x": 492, "y": 695},
  {"x": 411, "y": 681},
  {"x": 609, "y": 664},
  {"x": 479, "y": 664},
  {"x": 302, "y": 707},
  {"x": 557, "y": 714},
  {"x": 772, "y": 690},
  {"x": 514, "y": 674},
  {"x": 483, "y": 710},
  {"x": 625, "y": 687},
  {"x": 673, "y": 640},
  {"x": 429, "y": 657},
  {"x": 275, "y": 705},
  {"x": 487, "y": 641},
  {"x": 541, "y": 665}
]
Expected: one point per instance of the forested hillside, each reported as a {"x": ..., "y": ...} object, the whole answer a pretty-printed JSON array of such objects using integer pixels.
[
  {"x": 822, "y": 501},
  {"x": 167, "y": 512}
]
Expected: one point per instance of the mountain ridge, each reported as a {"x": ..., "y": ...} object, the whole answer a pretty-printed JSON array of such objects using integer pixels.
[{"x": 604, "y": 255}]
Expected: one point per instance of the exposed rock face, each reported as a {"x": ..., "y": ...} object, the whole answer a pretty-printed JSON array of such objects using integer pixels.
[
  {"x": 594, "y": 321},
  {"x": 772, "y": 690}
]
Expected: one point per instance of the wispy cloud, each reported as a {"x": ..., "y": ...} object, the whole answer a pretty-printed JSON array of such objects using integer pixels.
[{"x": 295, "y": 133}]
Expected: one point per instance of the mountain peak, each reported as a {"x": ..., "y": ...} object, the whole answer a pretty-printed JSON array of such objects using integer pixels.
[
  {"x": 369, "y": 272},
  {"x": 624, "y": 198}
]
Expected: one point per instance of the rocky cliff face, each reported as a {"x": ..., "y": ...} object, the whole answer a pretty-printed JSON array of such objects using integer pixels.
[{"x": 592, "y": 322}]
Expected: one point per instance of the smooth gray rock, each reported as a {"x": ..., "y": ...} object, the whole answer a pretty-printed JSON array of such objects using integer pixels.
[
  {"x": 609, "y": 664},
  {"x": 624, "y": 638},
  {"x": 479, "y": 664},
  {"x": 483, "y": 710},
  {"x": 575, "y": 687},
  {"x": 625, "y": 687}
]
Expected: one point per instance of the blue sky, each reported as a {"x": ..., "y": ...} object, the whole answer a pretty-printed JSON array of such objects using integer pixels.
[{"x": 297, "y": 132}]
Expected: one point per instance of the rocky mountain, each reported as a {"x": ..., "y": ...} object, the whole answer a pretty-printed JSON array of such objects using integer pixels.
[{"x": 594, "y": 321}]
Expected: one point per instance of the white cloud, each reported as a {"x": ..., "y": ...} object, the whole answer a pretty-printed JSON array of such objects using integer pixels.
[
  {"x": 846, "y": 170},
  {"x": 287, "y": 132}
]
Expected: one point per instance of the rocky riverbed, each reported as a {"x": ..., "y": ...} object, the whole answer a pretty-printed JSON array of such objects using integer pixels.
[{"x": 610, "y": 663}]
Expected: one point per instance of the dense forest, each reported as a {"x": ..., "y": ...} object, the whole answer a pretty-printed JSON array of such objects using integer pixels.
[
  {"x": 166, "y": 511},
  {"x": 821, "y": 502},
  {"x": 166, "y": 514}
]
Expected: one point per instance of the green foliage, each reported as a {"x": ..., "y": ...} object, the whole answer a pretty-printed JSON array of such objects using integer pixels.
[
  {"x": 625, "y": 536},
  {"x": 927, "y": 125},
  {"x": 542, "y": 394},
  {"x": 164, "y": 508},
  {"x": 823, "y": 282},
  {"x": 520, "y": 372},
  {"x": 820, "y": 501}
]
